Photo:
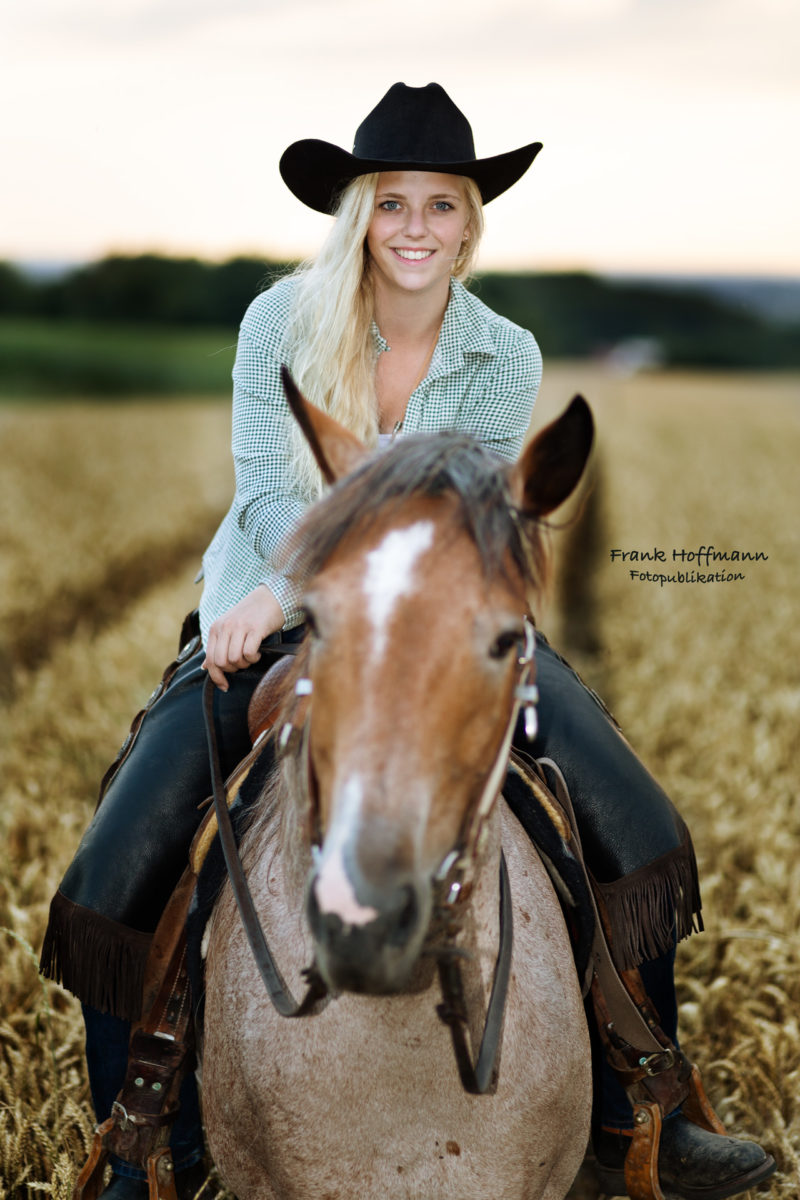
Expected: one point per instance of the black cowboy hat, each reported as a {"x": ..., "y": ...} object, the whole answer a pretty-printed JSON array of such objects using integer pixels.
[{"x": 410, "y": 129}]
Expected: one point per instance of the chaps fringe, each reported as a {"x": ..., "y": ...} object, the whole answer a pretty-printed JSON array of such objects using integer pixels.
[
  {"x": 97, "y": 959},
  {"x": 103, "y": 962},
  {"x": 652, "y": 909}
]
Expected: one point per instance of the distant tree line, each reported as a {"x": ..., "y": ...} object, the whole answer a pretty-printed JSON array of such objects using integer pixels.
[
  {"x": 147, "y": 289},
  {"x": 573, "y": 314}
]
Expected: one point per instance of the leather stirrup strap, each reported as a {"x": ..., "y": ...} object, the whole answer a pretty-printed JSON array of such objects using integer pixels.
[
  {"x": 627, "y": 1019},
  {"x": 142, "y": 1115},
  {"x": 160, "y": 1046}
]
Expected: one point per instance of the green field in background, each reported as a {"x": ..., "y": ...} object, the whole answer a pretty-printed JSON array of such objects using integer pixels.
[{"x": 61, "y": 358}]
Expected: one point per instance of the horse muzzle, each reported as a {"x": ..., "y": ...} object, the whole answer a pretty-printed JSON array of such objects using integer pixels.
[{"x": 367, "y": 938}]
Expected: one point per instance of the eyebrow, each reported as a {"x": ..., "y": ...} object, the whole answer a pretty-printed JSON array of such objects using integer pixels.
[{"x": 392, "y": 195}]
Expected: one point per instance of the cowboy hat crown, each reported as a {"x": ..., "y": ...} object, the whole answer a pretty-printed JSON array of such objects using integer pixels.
[{"x": 412, "y": 129}]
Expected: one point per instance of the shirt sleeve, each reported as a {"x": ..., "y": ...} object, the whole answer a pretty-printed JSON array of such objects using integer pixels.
[
  {"x": 501, "y": 414},
  {"x": 266, "y": 505}
]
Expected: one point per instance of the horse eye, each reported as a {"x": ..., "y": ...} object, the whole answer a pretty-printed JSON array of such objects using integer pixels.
[{"x": 503, "y": 645}]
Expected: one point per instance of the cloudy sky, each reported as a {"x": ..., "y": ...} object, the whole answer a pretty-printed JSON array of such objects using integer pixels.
[{"x": 669, "y": 126}]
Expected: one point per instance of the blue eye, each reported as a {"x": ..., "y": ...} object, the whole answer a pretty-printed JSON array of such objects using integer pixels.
[
  {"x": 443, "y": 205},
  {"x": 390, "y": 205}
]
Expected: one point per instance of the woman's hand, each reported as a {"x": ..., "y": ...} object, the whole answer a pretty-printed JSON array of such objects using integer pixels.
[{"x": 234, "y": 638}]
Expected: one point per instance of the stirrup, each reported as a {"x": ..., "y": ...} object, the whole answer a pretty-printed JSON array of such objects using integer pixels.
[
  {"x": 159, "y": 1056},
  {"x": 91, "y": 1181},
  {"x": 160, "y": 1053},
  {"x": 641, "y": 1162},
  {"x": 656, "y": 1084}
]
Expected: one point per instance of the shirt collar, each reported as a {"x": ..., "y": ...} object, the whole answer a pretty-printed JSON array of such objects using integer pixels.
[
  {"x": 465, "y": 330},
  {"x": 378, "y": 340}
]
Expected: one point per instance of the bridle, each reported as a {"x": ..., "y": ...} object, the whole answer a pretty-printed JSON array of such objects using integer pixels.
[{"x": 452, "y": 883}]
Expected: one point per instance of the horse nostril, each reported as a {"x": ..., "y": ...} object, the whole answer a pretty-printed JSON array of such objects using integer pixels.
[{"x": 408, "y": 915}]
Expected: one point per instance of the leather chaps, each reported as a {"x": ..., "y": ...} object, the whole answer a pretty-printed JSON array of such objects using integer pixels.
[{"x": 103, "y": 916}]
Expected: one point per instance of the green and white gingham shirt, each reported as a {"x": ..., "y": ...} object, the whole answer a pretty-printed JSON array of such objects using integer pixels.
[{"x": 483, "y": 379}]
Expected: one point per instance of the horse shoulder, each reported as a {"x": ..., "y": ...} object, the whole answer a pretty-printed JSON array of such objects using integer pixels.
[{"x": 548, "y": 1023}]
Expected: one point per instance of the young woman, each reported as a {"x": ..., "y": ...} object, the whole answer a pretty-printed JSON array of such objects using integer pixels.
[{"x": 382, "y": 333}]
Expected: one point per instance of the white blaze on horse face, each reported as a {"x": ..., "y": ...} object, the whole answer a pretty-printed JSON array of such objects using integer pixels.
[
  {"x": 390, "y": 570},
  {"x": 334, "y": 891}
]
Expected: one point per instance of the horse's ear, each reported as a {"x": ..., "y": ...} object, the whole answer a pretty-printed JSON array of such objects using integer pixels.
[
  {"x": 552, "y": 464},
  {"x": 337, "y": 451}
]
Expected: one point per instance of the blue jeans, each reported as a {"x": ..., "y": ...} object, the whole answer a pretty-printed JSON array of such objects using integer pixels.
[{"x": 107, "y": 1040}]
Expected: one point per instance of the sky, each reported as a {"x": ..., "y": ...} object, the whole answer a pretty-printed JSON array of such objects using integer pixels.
[{"x": 669, "y": 126}]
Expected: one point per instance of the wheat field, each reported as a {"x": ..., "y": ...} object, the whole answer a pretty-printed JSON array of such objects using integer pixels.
[{"x": 107, "y": 510}]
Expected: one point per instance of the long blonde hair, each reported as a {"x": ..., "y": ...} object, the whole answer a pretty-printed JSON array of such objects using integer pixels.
[{"x": 328, "y": 344}]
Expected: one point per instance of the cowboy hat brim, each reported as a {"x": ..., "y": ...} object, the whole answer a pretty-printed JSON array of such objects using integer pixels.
[{"x": 317, "y": 172}]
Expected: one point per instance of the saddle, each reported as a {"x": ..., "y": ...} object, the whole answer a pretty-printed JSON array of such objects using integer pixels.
[{"x": 656, "y": 1075}]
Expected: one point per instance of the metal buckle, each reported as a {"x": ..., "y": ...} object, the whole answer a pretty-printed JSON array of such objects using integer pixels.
[{"x": 654, "y": 1064}]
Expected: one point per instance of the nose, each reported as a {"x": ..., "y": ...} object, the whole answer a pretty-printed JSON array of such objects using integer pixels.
[
  {"x": 374, "y": 949},
  {"x": 415, "y": 223}
]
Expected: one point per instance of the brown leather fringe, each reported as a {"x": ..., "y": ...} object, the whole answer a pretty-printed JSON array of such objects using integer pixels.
[
  {"x": 97, "y": 959},
  {"x": 653, "y": 908}
]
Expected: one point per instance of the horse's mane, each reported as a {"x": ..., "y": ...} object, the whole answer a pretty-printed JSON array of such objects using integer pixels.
[
  {"x": 427, "y": 465},
  {"x": 268, "y": 821}
]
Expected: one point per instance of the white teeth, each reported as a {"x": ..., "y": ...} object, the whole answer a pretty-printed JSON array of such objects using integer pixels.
[{"x": 414, "y": 255}]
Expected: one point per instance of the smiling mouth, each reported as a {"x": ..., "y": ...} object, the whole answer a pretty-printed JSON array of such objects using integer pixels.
[{"x": 413, "y": 255}]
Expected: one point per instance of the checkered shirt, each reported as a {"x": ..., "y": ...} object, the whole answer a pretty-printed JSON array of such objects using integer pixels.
[{"x": 482, "y": 379}]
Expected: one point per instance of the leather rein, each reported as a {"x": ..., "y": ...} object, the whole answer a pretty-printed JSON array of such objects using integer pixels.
[
  {"x": 279, "y": 993},
  {"x": 478, "y": 1076}
]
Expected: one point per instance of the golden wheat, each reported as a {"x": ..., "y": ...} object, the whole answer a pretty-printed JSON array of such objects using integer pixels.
[
  {"x": 98, "y": 502},
  {"x": 704, "y": 679}
]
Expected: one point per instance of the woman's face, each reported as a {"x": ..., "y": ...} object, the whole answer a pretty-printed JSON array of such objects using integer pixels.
[{"x": 417, "y": 229}]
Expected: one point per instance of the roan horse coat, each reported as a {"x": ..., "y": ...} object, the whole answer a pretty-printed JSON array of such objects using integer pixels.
[{"x": 415, "y": 609}]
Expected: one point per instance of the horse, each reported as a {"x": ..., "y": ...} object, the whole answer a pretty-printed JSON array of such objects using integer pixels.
[{"x": 419, "y": 565}]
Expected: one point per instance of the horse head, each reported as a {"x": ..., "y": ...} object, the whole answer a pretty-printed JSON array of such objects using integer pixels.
[{"x": 420, "y": 566}]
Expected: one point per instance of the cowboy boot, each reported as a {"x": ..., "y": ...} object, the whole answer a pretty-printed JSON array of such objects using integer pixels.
[
  {"x": 678, "y": 1148},
  {"x": 693, "y": 1163}
]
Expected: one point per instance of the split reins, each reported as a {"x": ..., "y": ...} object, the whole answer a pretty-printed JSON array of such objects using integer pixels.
[
  {"x": 277, "y": 988},
  {"x": 478, "y": 1077}
]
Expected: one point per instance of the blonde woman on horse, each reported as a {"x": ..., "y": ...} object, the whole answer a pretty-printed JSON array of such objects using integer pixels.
[{"x": 380, "y": 331}]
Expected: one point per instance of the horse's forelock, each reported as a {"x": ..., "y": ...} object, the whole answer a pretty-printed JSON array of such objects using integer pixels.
[{"x": 426, "y": 465}]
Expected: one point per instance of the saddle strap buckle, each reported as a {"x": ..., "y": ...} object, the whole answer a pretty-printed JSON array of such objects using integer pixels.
[{"x": 654, "y": 1064}]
